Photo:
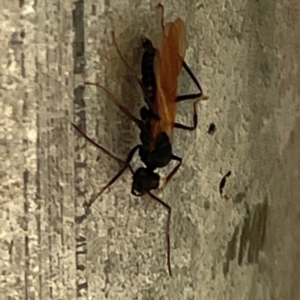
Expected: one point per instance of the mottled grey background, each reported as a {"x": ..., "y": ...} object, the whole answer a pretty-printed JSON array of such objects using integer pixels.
[{"x": 246, "y": 55}]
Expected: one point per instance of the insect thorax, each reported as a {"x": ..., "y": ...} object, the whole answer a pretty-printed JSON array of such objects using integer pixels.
[{"x": 161, "y": 154}]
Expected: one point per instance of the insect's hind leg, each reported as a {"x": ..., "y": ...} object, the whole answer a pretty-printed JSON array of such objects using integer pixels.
[
  {"x": 195, "y": 119},
  {"x": 169, "y": 209},
  {"x": 197, "y": 83},
  {"x": 199, "y": 95}
]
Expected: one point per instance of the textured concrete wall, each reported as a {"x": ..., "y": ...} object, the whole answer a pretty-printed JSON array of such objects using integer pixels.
[{"x": 246, "y": 55}]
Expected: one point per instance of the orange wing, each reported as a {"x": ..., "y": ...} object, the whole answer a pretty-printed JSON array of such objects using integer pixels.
[{"x": 167, "y": 66}]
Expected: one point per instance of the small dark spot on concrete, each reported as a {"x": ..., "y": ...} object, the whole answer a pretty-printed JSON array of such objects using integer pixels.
[
  {"x": 225, "y": 267},
  {"x": 79, "y": 245},
  {"x": 80, "y": 267},
  {"x": 82, "y": 286},
  {"x": 25, "y": 144},
  {"x": 213, "y": 272},
  {"x": 94, "y": 10},
  {"x": 81, "y": 238},
  {"x": 247, "y": 208},
  {"x": 206, "y": 204},
  {"x": 16, "y": 39},
  {"x": 22, "y": 34},
  {"x": 23, "y": 69},
  {"x": 108, "y": 267},
  {"x": 80, "y": 219},
  {"x": 80, "y": 164},
  {"x": 212, "y": 129},
  {"x": 239, "y": 197},
  {"x": 2, "y": 174},
  {"x": 22, "y": 222},
  {"x": 10, "y": 248},
  {"x": 110, "y": 231},
  {"x": 25, "y": 178}
]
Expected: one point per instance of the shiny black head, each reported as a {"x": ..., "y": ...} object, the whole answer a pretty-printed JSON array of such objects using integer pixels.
[{"x": 144, "y": 180}]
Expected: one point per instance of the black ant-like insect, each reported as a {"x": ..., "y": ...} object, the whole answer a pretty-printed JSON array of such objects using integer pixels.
[{"x": 160, "y": 70}]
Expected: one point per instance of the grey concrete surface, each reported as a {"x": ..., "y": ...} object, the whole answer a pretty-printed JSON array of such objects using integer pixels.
[{"x": 243, "y": 246}]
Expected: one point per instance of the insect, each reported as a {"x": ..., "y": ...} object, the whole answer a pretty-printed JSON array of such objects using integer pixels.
[{"x": 161, "y": 67}]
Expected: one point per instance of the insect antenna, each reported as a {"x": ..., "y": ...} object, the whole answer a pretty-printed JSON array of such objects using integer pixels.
[
  {"x": 138, "y": 122},
  {"x": 125, "y": 62},
  {"x": 169, "y": 209},
  {"x": 97, "y": 145}
]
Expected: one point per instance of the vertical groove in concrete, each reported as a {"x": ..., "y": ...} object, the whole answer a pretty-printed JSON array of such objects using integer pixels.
[
  {"x": 54, "y": 86},
  {"x": 79, "y": 167}
]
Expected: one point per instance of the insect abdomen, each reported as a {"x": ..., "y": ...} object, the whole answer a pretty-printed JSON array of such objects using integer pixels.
[{"x": 148, "y": 76}]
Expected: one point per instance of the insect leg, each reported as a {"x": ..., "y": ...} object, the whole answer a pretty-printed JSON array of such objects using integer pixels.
[
  {"x": 127, "y": 165},
  {"x": 223, "y": 182},
  {"x": 169, "y": 209},
  {"x": 197, "y": 83},
  {"x": 200, "y": 97},
  {"x": 195, "y": 118},
  {"x": 172, "y": 173},
  {"x": 97, "y": 145},
  {"x": 138, "y": 122}
]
